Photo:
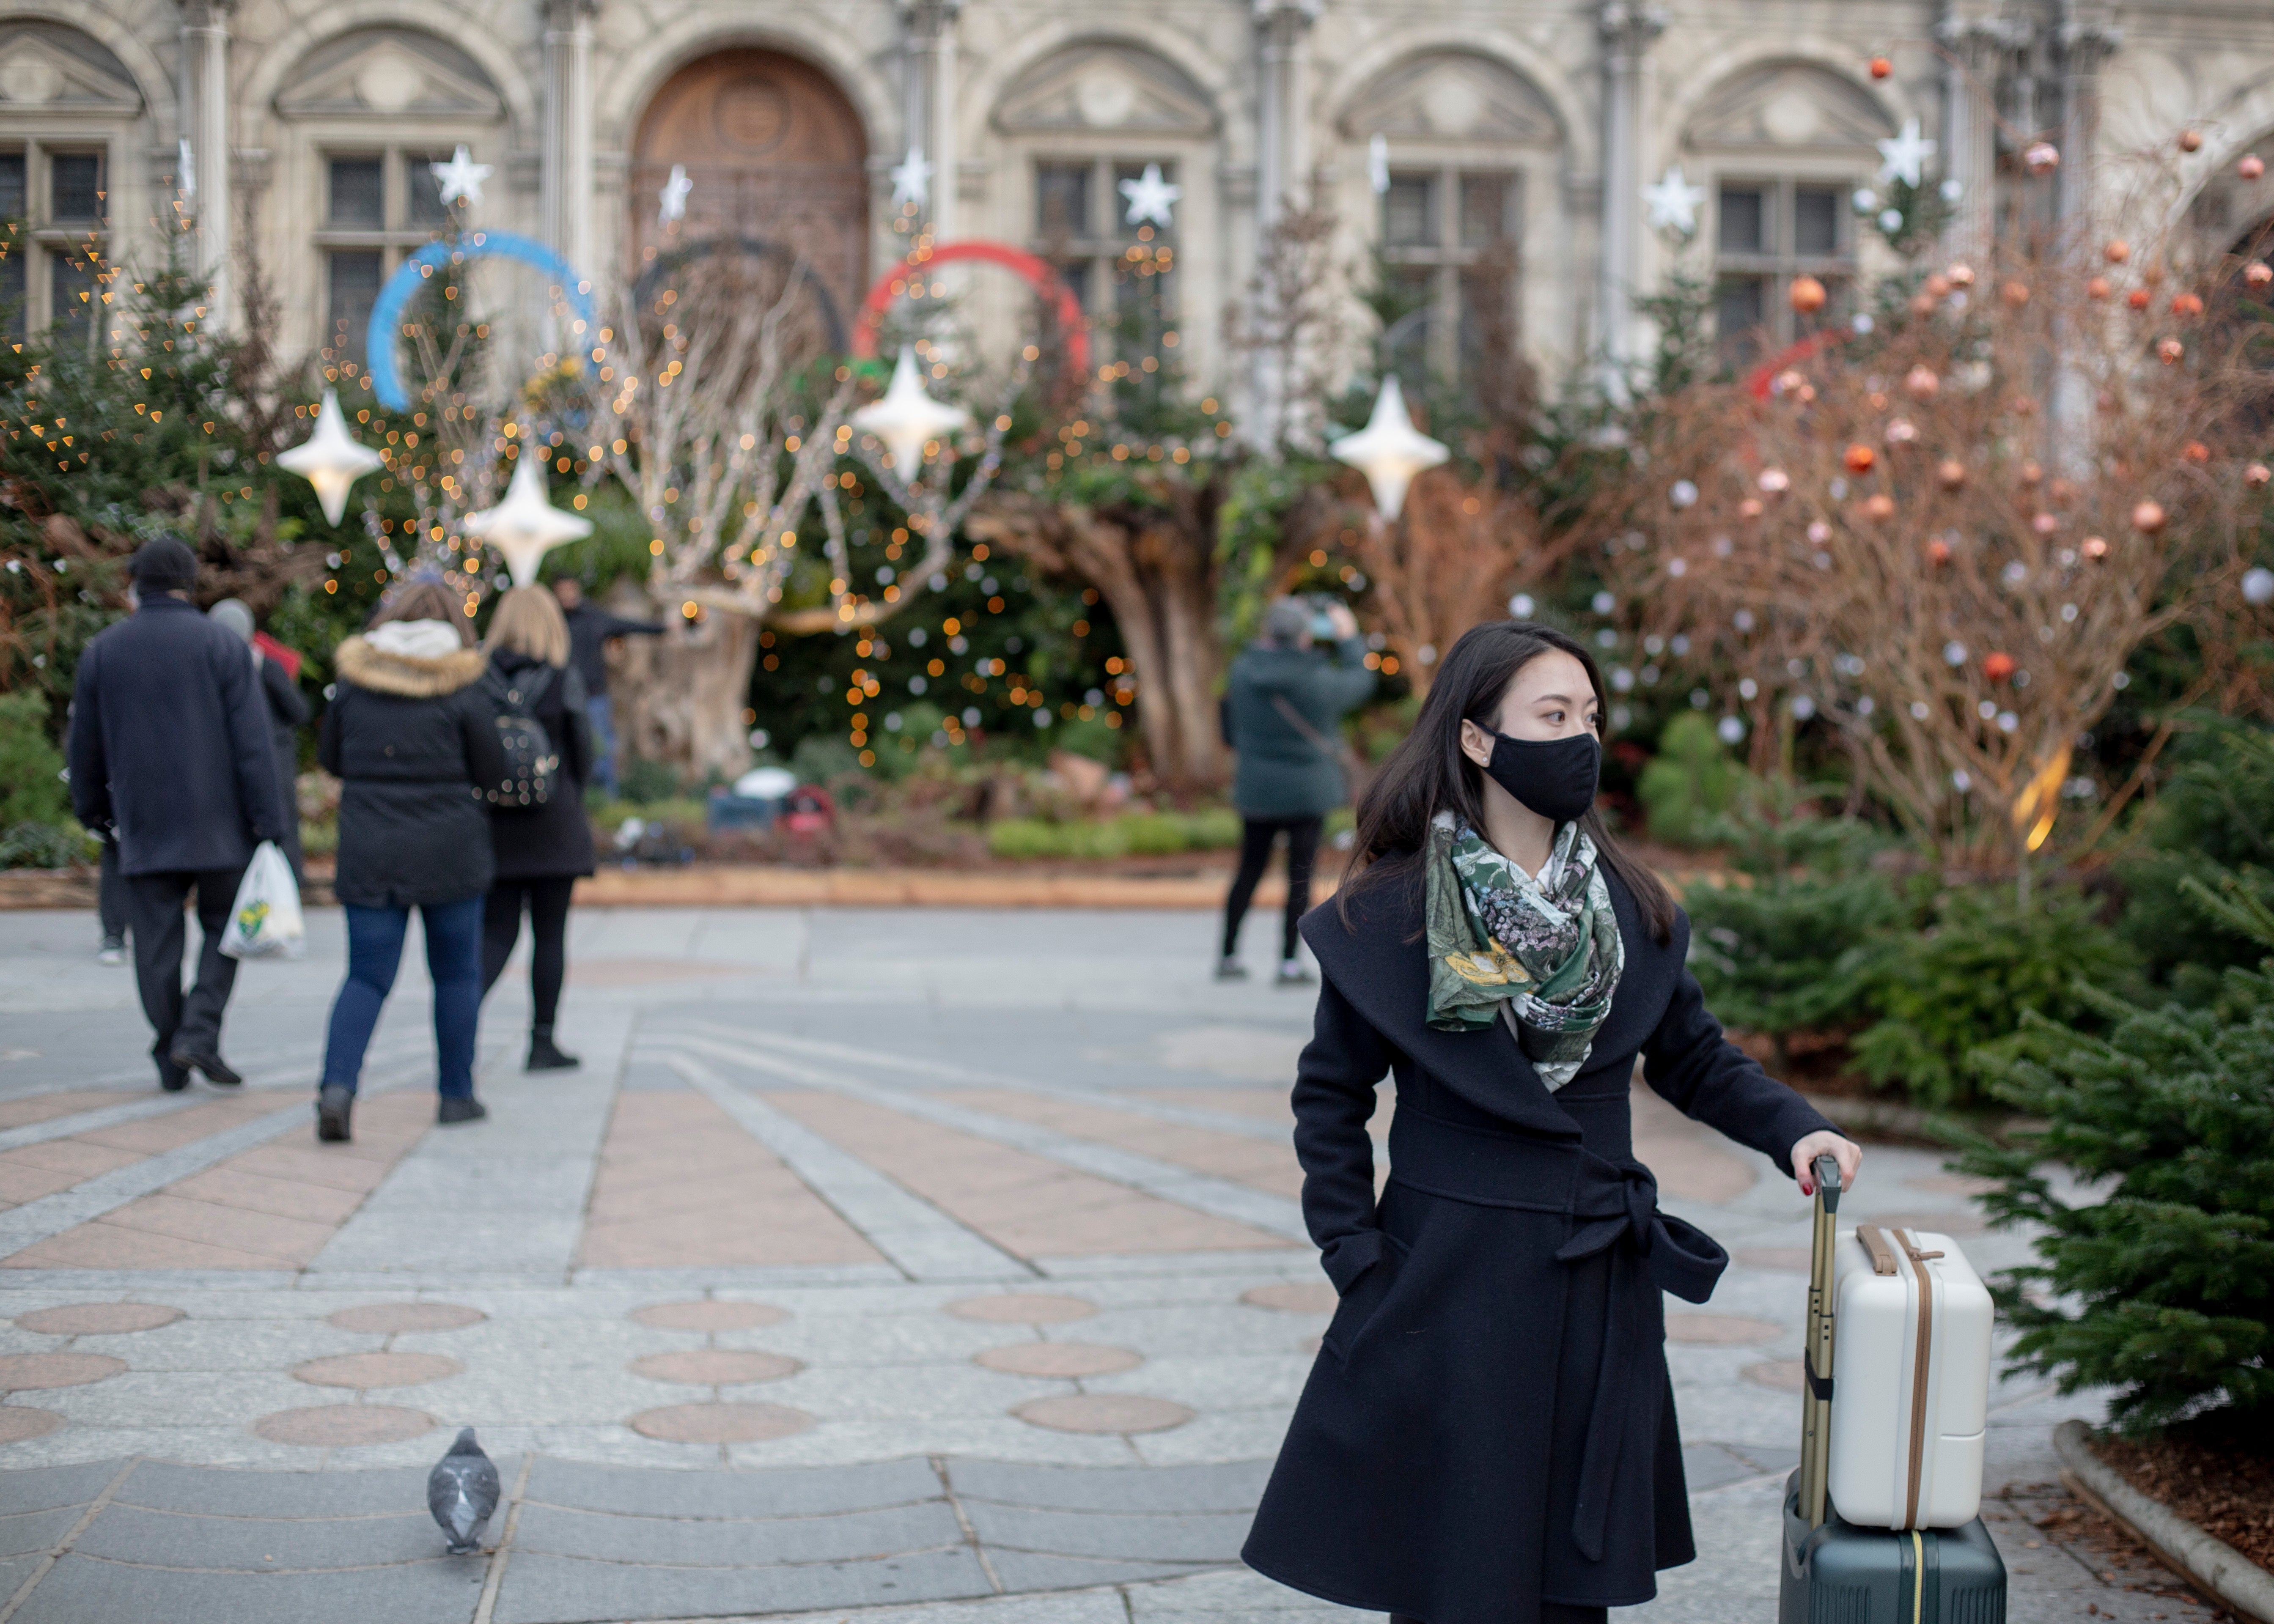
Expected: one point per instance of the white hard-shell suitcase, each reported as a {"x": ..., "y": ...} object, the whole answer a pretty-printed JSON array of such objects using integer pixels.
[{"x": 1910, "y": 1365}]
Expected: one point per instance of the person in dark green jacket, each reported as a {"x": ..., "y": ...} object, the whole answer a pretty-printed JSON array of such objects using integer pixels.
[{"x": 1283, "y": 713}]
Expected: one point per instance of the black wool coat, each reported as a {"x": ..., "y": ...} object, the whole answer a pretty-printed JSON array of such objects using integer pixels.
[
  {"x": 1490, "y": 1422},
  {"x": 552, "y": 841},
  {"x": 169, "y": 742},
  {"x": 410, "y": 739}
]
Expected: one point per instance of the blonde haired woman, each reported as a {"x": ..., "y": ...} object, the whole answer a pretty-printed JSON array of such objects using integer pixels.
[{"x": 540, "y": 850}]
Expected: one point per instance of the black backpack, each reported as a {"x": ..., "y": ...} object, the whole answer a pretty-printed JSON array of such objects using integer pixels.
[{"x": 531, "y": 764}]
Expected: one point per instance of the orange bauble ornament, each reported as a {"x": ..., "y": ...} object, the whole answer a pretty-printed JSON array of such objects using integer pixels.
[
  {"x": 2258, "y": 274},
  {"x": 1952, "y": 472},
  {"x": 2190, "y": 140},
  {"x": 2137, "y": 298},
  {"x": 2250, "y": 166},
  {"x": 2169, "y": 351},
  {"x": 2186, "y": 304},
  {"x": 2257, "y": 474},
  {"x": 1937, "y": 550},
  {"x": 1878, "y": 506},
  {"x": 1920, "y": 384},
  {"x": 2196, "y": 452},
  {"x": 2118, "y": 251},
  {"x": 2096, "y": 287},
  {"x": 1923, "y": 304},
  {"x": 2017, "y": 294},
  {"x": 1998, "y": 668},
  {"x": 2148, "y": 517},
  {"x": 1961, "y": 274},
  {"x": 1859, "y": 458},
  {"x": 1936, "y": 284},
  {"x": 1881, "y": 67},
  {"x": 2032, "y": 475},
  {"x": 2094, "y": 547},
  {"x": 1807, "y": 294},
  {"x": 1750, "y": 508}
]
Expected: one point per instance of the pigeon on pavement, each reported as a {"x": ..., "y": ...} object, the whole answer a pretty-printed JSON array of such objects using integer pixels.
[{"x": 462, "y": 1491}]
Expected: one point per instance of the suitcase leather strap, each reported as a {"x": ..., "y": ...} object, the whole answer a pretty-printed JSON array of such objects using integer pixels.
[
  {"x": 1921, "y": 1364},
  {"x": 1883, "y": 1256}
]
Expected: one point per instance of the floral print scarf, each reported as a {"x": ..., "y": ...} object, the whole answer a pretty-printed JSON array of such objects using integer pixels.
[{"x": 1544, "y": 953}]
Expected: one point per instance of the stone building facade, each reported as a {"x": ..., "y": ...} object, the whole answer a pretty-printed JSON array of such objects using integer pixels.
[{"x": 1489, "y": 152}]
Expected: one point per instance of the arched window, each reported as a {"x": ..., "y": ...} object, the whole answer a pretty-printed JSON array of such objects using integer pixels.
[
  {"x": 1783, "y": 147},
  {"x": 374, "y": 111},
  {"x": 67, "y": 111},
  {"x": 1466, "y": 139}
]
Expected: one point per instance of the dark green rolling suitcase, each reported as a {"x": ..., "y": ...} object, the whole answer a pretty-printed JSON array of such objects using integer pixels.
[{"x": 1836, "y": 1573}]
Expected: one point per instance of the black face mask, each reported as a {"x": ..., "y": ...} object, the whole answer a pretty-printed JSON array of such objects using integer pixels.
[{"x": 1555, "y": 778}]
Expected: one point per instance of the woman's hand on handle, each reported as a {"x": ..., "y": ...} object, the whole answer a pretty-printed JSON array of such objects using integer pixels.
[{"x": 1824, "y": 1142}]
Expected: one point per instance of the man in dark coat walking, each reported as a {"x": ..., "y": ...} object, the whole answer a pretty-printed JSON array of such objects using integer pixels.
[
  {"x": 170, "y": 750},
  {"x": 590, "y": 628},
  {"x": 1283, "y": 712}
]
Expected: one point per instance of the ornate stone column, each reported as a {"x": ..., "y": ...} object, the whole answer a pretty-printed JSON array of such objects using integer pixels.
[
  {"x": 1627, "y": 30},
  {"x": 205, "y": 127},
  {"x": 1283, "y": 144},
  {"x": 566, "y": 180},
  {"x": 2087, "y": 39},
  {"x": 1975, "y": 47},
  {"x": 930, "y": 93}
]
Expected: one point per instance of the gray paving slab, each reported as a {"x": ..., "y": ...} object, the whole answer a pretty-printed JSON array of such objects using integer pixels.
[
  {"x": 43, "y": 1488},
  {"x": 1236, "y": 1596},
  {"x": 794, "y": 1491},
  {"x": 845, "y": 1536},
  {"x": 924, "y": 1242},
  {"x": 1031, "y": 1570},
  {"x": 81, "y": 1589},
  {"x": 1233, "y": 1485},
  {"x": 96, "y": 1116},
  {"x": 541, "y": 1589},
  {"x": 1158, "y": 1536},
  {"x": 220, "y": 1491},
  {"x": 258, "y": 1544},
  {"x": 28, "y": 1532}
]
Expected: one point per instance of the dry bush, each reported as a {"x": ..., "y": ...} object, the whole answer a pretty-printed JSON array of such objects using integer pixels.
[{"x": 1948, "y": 536}]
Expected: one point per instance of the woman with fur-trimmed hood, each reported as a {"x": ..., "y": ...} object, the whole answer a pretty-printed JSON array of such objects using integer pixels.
[{"x": 410, "y": 738}]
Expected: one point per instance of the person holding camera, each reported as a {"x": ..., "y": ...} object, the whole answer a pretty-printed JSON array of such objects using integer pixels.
[{"x": 1283, "y": 713}]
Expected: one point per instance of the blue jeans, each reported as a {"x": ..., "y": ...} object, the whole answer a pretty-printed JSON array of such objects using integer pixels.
[
  {"x": 454, "y": 958},
  {"x": 602, "y": 718}
]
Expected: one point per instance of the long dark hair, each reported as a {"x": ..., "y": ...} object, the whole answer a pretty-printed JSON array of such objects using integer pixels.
[{"x": 1429, "y": 772}]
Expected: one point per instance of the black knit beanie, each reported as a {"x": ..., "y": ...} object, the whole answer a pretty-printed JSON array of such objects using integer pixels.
[{"x": 164, "y": 564}]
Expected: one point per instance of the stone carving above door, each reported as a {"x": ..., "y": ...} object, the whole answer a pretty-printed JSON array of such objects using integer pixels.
[
  {"x": 1789, "y": 104},
  {"x": 397, "y": 73},
  {"x": 1105, "y": 85},
  {"x": 1451, "y": 95},
  {"x": 46, "y": 64}
]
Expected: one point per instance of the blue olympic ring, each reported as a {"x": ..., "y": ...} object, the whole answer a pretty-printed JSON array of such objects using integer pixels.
[{"x": 386, "y": 314}]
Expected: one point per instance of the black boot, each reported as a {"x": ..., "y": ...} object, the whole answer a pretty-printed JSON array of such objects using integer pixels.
[
  {"x": 545, "y": 1057},
  {"x": 334, "y": 1104},
  {"x": 460, "y": 1108}
]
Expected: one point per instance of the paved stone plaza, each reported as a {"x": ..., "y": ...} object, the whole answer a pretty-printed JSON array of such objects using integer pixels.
[{"x": 929, "y": 1266}]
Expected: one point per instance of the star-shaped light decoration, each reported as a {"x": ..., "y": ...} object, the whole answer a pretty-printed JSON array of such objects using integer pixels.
[
  {"x": 462, "y": 177},
  {"x": 906, "y": 418},
  {"x": 1390, "y": 450},
  {"x": 912, "y": 180},
  {"x": 1150, "y": 197},
  {"x": 674, "y": 196},
  {"x": 1673, "y": 203},
  {"x": 1377, "y": 164},
  {"x": 526, "y": 526},
  {"x": 1903, "y": 157},
  {"x": 330, "y": 459}
]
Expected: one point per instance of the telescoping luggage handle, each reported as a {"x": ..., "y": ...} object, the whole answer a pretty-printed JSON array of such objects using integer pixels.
[{"x": 1816, "y": 1359}]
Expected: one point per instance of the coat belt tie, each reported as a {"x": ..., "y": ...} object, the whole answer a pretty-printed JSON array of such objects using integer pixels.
[{"x": 1615, "y": 1210}]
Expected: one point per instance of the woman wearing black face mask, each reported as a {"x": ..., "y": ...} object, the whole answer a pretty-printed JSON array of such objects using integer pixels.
[{"x": 1489, "y": 1435}]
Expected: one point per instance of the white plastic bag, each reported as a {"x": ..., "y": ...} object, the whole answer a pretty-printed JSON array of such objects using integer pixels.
[{"x": 265, "y": 922}]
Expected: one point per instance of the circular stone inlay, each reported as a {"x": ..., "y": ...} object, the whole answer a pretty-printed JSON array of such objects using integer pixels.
[
  {"x": 22, "y": 1372},
  {"x": 1784, "y": 1375},
  {"x": 1028, "y": 1308},
  {"x": 98, "y": 1319},
  {"x": 1309, "y": 1296},
  {"x": 709, "y": 1316},
  {"x": 1102, "y": 1413},
  {"x": 720, "y": 1424},
  {"x": 394, "y": 1318},
  {"x": 1792, "y": 1259},
  {"x": 340, "y": 1426},
  {"x": 715, "y": 1367},
  {"x": 20, "y": 1422},
  {"x": 1058, "y": 1359},
  {"x": 376, "y": 1370},
  {"x": 1719, "y": 1328}
]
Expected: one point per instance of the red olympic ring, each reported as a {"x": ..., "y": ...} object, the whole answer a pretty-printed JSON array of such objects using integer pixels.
[{"x": 1037, "y": 274}]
